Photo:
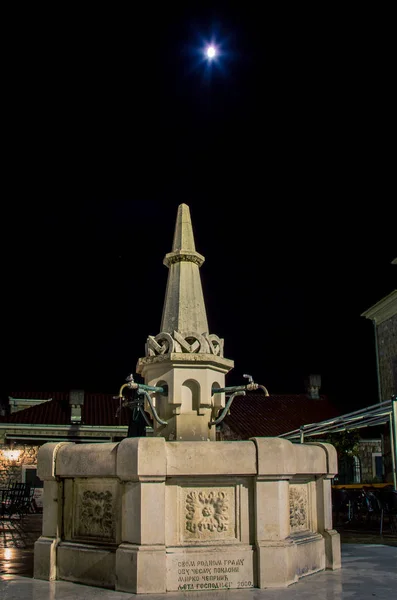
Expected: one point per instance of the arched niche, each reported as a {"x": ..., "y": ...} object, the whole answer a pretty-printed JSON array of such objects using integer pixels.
[
  {"x": 161, "y": 400},
  {"x": 190, "y": 396},
  {"x": 216, "y": 398}
]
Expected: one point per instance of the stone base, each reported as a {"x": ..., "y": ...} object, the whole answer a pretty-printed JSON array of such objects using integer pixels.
[
  {"x": 283, "y": 563},
  {"x": 310, "y": 555},
  {"x": 333, "y": 558},
  {"x": 210, "y": 568},
  {"x": 90, "y": 565},
  {"x": 140, "y": 569},
  {"x": 45, "y": 563},
  {"x": 276, "y": 564},
  {"x": 147, "y": 516}
]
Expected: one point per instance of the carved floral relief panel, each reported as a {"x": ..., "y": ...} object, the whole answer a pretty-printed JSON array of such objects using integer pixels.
[
  {"x": 208, "y": 514},
  {"x": 298, "y": 507},
  {"x": 96, "y": 506}
]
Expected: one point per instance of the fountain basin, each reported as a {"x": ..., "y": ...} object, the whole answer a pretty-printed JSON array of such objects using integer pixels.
[{"x": 148, "y": 515}]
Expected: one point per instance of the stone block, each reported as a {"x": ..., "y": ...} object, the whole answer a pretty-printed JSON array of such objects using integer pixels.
[
  {"x": 92, "y": 510},
  {"x": 140, "y": 570},
  {"x": 331, "y": 457},
  {"x": 87, "y": 460},
  {"x": 276, "y": 564},
  {"x": 333, "y": 560},
  {"x": 276, "y": 458},
  {"x": 272, "y": 509},
  {"x": 209, "y": 511},
  {"x": 52, "y": 506},
  {"x": 217, "y": 568},
  {"x": 211, "y": 458},
  {"x": 141, "y": 459},
  {"x": 324, "y": 503},
  {"x": 45, "y": 558},
  {"x": 310, "y": 554},
  {"x": 90, "y": 565},
  {"x": 310, "y": 459},
  {"x": 143, "y": 513},
  {"x": 46, "y": 459}
]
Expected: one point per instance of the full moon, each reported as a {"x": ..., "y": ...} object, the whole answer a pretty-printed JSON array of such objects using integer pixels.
[{"x": 211, "y": 52}]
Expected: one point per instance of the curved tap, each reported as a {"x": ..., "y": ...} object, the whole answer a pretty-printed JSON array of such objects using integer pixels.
[
  {"x": 249, "y": 387},
  {"x": 226, "y": 409},
  {"x": 238, "y": 390},
  {"x": 142, "y": 390}
]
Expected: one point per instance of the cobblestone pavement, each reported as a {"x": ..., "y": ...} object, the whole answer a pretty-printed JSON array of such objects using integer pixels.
[
  {"x": 367, "y": 537},
  {"x": 17, "y": 538},
  {"x": 368, "y": 572},
  {"x": 20, "y": 533}
]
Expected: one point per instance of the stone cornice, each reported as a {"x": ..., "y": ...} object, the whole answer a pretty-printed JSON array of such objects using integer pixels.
[
  {"x": 178, "y": 359},
  {"x": 50, "y": 429},
  {"x": 183, "y": 256},
  {"x": 184, "y": 342},
  {"x": 382, "y": 310}
]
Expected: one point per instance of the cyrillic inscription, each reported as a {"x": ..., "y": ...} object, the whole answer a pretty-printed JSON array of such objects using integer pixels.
[{"x": 235, "y": 571}]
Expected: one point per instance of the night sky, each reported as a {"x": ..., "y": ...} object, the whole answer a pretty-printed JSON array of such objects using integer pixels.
[{"x": 281, "y": 149}]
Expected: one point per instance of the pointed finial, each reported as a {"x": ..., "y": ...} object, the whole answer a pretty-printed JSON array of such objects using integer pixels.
[
  {"x": 183, "y": 235},
  {"x": 184, "y": 308},
  {"x": 183, "y": 246}
]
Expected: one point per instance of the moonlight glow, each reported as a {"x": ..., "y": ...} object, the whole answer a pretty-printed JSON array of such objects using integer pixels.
[{"x": 210, "y": 52}]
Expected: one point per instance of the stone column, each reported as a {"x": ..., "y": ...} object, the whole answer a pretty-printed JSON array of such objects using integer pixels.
[
  {"x": 275, "y": 549},
  {"x": 141, "y": 557},
  {"x": 45, "y": 548},
  {"x": 324, "y": 509}
]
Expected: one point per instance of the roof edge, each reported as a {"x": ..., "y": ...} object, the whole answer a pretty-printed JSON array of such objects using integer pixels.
[{"x": 382, "y": 310}]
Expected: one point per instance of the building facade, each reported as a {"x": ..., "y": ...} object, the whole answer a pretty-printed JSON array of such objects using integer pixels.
[
  {"x": 36, "y": 418},
  {"x": 384, "y": 317}
]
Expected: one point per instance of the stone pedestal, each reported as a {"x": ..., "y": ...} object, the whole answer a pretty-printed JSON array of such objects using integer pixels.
[
  {"x": 45, "y": 548},
  {"x": 150, "y": 516},
  {"x": 189, "y": 405}
]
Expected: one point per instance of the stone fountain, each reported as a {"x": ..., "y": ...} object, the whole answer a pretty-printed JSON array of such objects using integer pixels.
[{"x": 178, "y": 510}]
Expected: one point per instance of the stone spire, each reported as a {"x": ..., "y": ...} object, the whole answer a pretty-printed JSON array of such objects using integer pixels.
[
  {"x": 184, "y": 308},
  {"x": 184, "y": 325},
  {"x": 184, "y": 358},
  {"x": 183, "y": 234}
]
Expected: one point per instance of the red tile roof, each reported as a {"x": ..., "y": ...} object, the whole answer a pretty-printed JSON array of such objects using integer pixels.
[
  {"x": 256, "y": 415},
  {"x": 98, "y": 409},
  {"x": 250, "y": 416}
]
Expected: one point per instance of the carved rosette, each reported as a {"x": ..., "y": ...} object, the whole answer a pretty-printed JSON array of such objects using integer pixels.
[
  {"x": 95, "y": 515},
  {"x": 209, "y": 514},
  {"x": 298, "y": 508},
  {"x": 189, "y": 342}
]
